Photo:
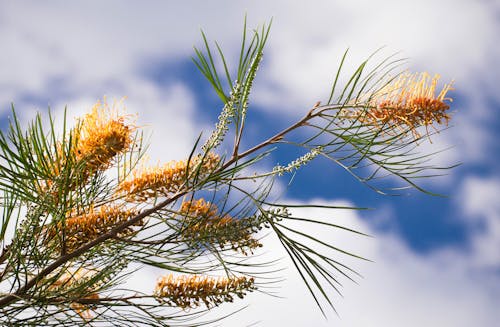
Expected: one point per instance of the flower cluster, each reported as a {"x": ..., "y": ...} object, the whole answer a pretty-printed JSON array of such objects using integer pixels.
[
  {"x": 202, "y": 227},
  {"x": 408, "y": 101},
  {"x": 190, "y": 291},
  {"x": 94, "y": 143},
  {"x": 83, "y": 228},
  {"x": 299, "y": 162},
  {"x": 227, "y": 113},
  {"x": 172, "y": 177},
  {"x": 251, "y": 73},
  {"x": 101, "y": 135}
]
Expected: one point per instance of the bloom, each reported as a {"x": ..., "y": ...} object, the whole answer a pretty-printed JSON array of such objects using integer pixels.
[
  {"x": 202, "y": 226},
  {"x": 409, "y": 100},
  {"x": 93, "y": 144},
  {"x": 170, "y": 178},
  {"x": 100, "y": 136},
  {"x": 189, "y": 291},
  {"x": 83, "y": 228}
]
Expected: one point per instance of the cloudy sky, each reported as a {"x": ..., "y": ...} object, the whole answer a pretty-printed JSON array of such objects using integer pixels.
[{"x": 436, "y": 260}]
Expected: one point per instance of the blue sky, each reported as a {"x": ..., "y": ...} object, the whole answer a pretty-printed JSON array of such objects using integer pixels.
[{"x": 437, "y": 259}]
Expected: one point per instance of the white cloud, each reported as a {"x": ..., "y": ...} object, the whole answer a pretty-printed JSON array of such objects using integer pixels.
[
  {"x": 98, "y": 41},
  {"x": 430, "y": 33},
  {"x": 91, "y": 45},
  {"x": 168, "y": 115},
  {"x": 478, "y": 198},
  {"x": 399, "y": 288},
  {"x": 303, "y": 57},
  {"x": 165, "y": 114}
]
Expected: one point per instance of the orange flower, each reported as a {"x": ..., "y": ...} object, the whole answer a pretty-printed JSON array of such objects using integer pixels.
[
  {"x": 409, "y": 100},
  {"x": 202, "y": 226},
  {"x": 190, "y": 291},
  {"x": 83, "y": 310},
  {"x": 83, "y": 228},
  {"x": 160, "y": 181},
  {"x": 96, "y": 140},
  {"x": 101, "y": 135}
]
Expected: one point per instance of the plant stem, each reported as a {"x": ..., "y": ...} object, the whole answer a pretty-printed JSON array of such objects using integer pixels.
[{"x": 116, "y": 230}]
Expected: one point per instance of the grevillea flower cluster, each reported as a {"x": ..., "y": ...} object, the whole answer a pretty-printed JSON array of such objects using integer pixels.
[
  {"x": 83, "y": 228},
  {"x": 170, "y": 178},
  {"x": 191, "y": 291},
  {"x": 408, "y": 101},
  {"x": 101, "y": 135},
  {"x": 203, "y": 227},
  {"x": 98, "y": 138}
]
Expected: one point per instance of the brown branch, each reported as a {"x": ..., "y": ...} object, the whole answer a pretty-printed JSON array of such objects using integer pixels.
[
  {"x": 4, "y": 255},
  {"x": 101, "y": 299},
  {"x": 116, "y": 230},
  {"x": 65, "y": 258}
]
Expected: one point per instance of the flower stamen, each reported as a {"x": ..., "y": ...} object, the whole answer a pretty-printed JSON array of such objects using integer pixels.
[
  {"x": 190, "y": 291},
  {"x": 203, "y": 227},
  {"x": 161, "y": 181}
]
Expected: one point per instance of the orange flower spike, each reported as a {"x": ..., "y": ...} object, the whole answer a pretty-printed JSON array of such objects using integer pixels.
[
  {"x": 88, "y": 226},
  {"x": 409, "y": 100},
  {"x": 170, "y": 178},
  {"x": 199, "y": 208},
  {"x": 98, "y": 137},
  {"x": 83, "y": 310},
  {"x": 201, "y": 225},
  {"x": 102, "y": 134},
  {"x": 187, "y": 291}
]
